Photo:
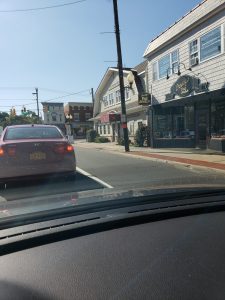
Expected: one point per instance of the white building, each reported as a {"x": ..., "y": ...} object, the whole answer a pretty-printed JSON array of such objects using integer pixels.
[
  {"x": 186, "y": 78},
  {"x": 107, "y": 106},
  {"x": 54, "y": 114}
]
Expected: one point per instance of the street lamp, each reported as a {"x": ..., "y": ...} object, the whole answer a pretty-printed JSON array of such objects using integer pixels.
[{"x": 69, "y": 118}]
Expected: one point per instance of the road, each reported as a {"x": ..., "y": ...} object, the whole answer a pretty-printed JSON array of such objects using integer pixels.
[{"x": 99, "y": 169}]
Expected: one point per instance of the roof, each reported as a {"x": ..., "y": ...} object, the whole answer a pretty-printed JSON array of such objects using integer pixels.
[
  {"x": 191, "y": 19},
  {"x": 52, "y": 103},
  {"x": 141, "y": 67}
]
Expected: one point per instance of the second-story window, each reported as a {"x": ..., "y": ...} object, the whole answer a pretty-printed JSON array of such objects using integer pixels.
[
  {"x": 174, "y": 61},
  {"x": 210, "y": 44},
  {"x": 164, "y": 66},
  {"x": 194, "y": 58},
  {"x": 118, "y": 96},
  {"x": 111, "y": 99},
  {"x": 87, "y": 116},
  {"x": 127, "y": 94},
  {"x": 155, "y": 71},
  {"x": 76, "y": 117},
  {"x": 105, "y": 101}
]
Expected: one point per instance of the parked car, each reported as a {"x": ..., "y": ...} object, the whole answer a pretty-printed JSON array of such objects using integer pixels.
[{"x": 35, "y": 150}]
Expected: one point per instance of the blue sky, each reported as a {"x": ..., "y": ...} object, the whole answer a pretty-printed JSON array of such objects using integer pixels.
[{"x": 61, "y": 50}]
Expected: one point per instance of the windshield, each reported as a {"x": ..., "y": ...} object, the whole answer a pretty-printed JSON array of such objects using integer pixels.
[
  {"x": 104, "y": 97},
  {"x": 32, "y": 133}
]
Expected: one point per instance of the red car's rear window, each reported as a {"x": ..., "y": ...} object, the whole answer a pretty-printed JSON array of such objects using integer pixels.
[{"x": 20, "y": 133}]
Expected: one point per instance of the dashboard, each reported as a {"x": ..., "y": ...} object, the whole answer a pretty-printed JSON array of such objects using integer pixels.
[{"x": 176, "y": 258}]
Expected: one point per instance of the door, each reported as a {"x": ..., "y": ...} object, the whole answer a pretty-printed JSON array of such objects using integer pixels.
[{"x": 202, "y": 128}]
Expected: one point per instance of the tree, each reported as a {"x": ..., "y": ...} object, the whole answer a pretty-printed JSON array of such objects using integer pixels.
[{"x": 7, "y": 120}]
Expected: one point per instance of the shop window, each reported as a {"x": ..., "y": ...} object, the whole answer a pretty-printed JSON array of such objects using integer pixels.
[
  {"x": 218, "y": 119},
  {"x": 174, "y": 122}
]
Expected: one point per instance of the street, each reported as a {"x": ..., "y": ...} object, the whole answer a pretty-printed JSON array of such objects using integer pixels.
[{"x": 98, "y": 169}]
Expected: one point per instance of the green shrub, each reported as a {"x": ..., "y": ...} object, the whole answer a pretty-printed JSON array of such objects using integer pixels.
[
  {"x": 121, "y": 141},
  {"x": 101, "y": 139},
  {"x": 91, "y": 135},
  {"x": 139, "y": 138}
]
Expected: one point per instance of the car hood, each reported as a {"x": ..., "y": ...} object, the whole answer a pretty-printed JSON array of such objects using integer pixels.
[{"x": 76, "y": 199}]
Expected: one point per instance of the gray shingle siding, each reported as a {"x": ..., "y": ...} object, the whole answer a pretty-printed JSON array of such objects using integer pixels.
[{"x": 213, "y": 69}]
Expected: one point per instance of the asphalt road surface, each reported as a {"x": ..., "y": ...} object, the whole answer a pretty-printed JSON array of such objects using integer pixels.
[{"x": 99, "y": 169}]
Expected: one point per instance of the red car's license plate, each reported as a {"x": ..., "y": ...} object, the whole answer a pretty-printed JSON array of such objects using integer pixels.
[{"x": 38, "y": 156}]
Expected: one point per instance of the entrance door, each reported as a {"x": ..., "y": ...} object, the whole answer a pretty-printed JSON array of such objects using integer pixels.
[{"x": 202, "y": 128}]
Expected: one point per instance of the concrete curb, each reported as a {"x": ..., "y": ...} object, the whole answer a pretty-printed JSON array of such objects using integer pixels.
[{"x": 160, "y": 157}]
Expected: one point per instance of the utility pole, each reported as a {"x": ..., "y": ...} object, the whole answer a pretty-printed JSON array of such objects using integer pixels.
[
  {"x": 120, "y": 69},
  {"x": 93, "y": 100},
  {"x": 36, "y": 93}
]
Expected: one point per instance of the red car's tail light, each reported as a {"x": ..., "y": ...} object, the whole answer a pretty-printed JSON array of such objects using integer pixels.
[
  {"x": 69, "y": 148},
  {"x": 1, "y": 151}
]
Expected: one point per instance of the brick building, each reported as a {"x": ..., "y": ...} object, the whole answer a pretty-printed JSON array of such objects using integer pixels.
[{"x": 81, "y": 112}]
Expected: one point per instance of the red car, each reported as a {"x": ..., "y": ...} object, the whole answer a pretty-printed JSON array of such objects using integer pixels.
[{"x": 35, "y": 150}]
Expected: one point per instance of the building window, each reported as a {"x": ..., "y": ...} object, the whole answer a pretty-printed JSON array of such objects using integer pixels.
[
  {"x": 127, "y": 94},
  {"x": 108, "y": 128},
  {"x": 105, "y": 101},
  {"x": 155, "y": 71},
  {"x": 132, "y": 128},
  {"x": 194, "y": 58},
  {"x": 76, "y": 117},
  {"x": 87, "y": 116},
  {"x": 164, "y": 66},
  {"x": 104, "y": 129},
  {"x": 100, "y": 129},
  {"x": 118, "y": 98},
  {"x": 205, "y": 47},
  {"x": 111, "y": 99},
  {"x": 60, "y": 118},
  {"x": 76, "y": 108},
  {"x": 54, "y": 117},
  {"x": 81, "y": 107},
  {"x": 210, "y": 44},
  {"x": 175, "y": 61},
  {"x": 174, "y": 122}
]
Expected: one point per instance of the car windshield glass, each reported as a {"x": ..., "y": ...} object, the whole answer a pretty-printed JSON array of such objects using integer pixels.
[
  {"x": 104, "y": 97},
  {"x": 32, "y": 133}
]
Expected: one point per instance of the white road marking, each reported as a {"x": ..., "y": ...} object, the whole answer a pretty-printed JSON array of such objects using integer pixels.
[
  {"x": 94, "y": 178},
  {"x": 2, "y": 199}
]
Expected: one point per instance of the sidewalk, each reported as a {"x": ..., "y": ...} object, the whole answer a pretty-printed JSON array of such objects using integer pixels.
[{"x": 195, "y": 157}]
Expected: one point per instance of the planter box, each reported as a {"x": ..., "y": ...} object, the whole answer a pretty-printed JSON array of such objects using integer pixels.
[
  {"x": 174, "y": 143},
  {"x": 217, "y": 144}
]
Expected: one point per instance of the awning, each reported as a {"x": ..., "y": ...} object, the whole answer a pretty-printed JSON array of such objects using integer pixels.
[{"x": 110, "y": 117}]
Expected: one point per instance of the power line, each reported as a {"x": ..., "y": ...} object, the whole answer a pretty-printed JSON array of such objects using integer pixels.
[
  {"x": 49, "y": 100},
  {"x": 42, "y": 8}
]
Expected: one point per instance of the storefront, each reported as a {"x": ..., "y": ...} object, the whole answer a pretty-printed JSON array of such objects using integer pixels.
[{"x": 192, "y": 120}]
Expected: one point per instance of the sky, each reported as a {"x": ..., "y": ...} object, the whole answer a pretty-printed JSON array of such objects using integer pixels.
[{"x": 63, "y": 51}]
